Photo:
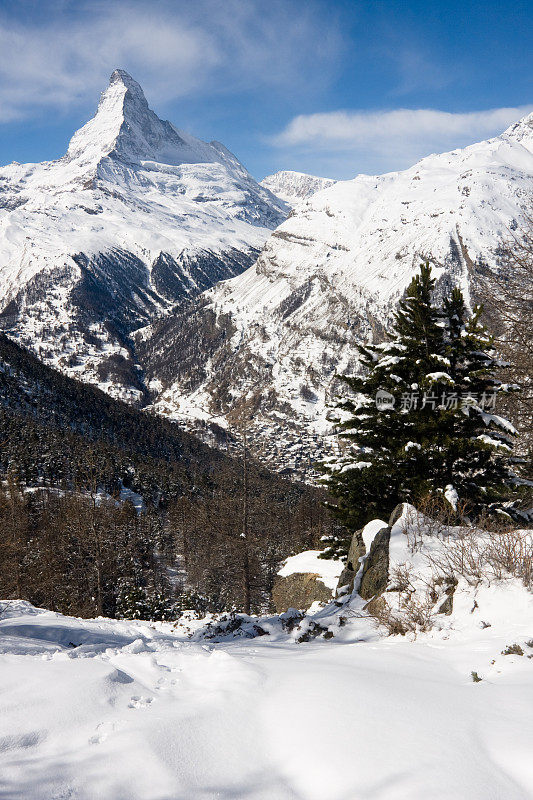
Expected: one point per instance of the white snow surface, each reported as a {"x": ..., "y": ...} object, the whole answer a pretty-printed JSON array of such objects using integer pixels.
[
  {"x": 370, "y": 530},
  {"x": 328, "y": 571},
  {"x": 294, "y": 187},
  {"x": 116, "y": 710},
  {"x": 331, "y": 274}
]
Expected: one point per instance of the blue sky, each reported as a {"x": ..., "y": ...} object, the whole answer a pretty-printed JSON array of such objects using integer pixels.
[{"x": 330, "y": 87}]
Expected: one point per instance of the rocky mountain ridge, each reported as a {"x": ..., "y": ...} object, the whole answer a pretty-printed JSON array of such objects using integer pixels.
[{"x": 269, "y": 342}]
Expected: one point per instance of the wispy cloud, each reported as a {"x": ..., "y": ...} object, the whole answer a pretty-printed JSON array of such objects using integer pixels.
[
  {"x": 172, "y": 48},
  {"x": 390, "y": 139},
  {"x": 417, "y": 70}
]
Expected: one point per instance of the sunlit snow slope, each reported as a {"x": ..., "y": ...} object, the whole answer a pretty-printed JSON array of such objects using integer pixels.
[
  {"x": 295, "y": 187},
  {"x": 330, "y": 276},
  {"x": 135, "y": 216}
]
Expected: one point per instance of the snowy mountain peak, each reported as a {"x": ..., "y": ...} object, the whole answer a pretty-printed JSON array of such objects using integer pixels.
[
  {"x": 124, "y": 78},
  {"x": 124, "y": 127},
  {"x": 522, "y": 131},
  {"x": 136, "y": 216},
  {"x": 125, "y": 130}
]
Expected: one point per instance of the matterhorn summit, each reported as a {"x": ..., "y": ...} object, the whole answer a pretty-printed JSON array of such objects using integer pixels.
[
  {"x": 126, "y": 130},
  {"x": 123, "y": 126},
  {"x": 134, "y": 217}
]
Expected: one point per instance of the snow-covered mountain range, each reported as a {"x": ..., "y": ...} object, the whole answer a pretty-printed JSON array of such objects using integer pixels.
[
  {"x": 135, "y": 216},
  {"x": 273, "y": 338},
  {"x": 294, "y": 187},
  {"x": 109, "y": 258}
]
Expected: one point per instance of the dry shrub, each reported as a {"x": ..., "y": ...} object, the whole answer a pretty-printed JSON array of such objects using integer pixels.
[
  {"x": 415, "y": 596},
  {"x": 401, "y": 579},
  {"x": 414, "y": 615},
  {"x": 386, "y": 618},
  {"x": 482, "y": 555},
  {"x": 436, "y": 518},
  {"x": 415, "y": 612},
  {"x": 492, "y": 550},
  {"x": 464, "y": 557},
  {"x": 510, "y": 552}
]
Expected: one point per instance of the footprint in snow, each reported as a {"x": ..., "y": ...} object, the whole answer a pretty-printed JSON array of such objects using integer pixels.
[
  {"x": 165, "y": 684},
  {"x": 102, "y": 731}
]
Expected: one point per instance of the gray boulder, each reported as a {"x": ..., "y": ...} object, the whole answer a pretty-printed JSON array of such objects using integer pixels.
[
  {"x": 375, "y": 576},
  {"x": 446, "y": 606},
  {"x": 299, "y": 590},
  {"x": 347, "y": 578},
  {"x": 357, "y": 549},
  {"x": 346, "y": 582},
  {"x": 396, "y": 514}
]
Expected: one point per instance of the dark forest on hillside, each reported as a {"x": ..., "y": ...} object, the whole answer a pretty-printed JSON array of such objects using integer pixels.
[{"x": 212, "y": 533}]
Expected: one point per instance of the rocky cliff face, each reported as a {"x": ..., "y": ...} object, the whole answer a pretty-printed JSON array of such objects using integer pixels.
[
  {"x": 328, "y": 277},
  {"x": 136, "y": 216}
]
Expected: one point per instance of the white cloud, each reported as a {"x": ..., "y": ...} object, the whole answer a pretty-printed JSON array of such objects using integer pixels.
[
  {"x": 390, "y": 139},
  {"x": 172, "y": 48}
]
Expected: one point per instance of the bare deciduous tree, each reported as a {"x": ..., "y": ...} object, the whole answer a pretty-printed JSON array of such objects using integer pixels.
[{"x": 508, "y": 300}]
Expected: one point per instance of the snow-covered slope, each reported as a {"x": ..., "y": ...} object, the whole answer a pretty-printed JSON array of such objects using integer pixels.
[
  {"x": 294, "y": 187},
  {"x": 135, "y": 216},
  {"x": 329, "y": 276},
  {"x": 323, "y": 706}
]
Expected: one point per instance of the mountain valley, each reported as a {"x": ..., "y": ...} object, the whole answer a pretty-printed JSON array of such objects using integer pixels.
[{"x": 270, "y": 341}]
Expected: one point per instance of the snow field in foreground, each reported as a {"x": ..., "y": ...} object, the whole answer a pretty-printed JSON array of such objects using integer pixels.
[{"x": 136, "y": 711}]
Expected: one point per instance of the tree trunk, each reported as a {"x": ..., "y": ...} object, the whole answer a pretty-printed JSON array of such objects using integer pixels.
[{"x": 244, "y": 535}]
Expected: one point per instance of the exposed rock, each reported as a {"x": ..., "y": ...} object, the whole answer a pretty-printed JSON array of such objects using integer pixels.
[
  {"x": 375, "y": 575},
  {"x": 347, "y": 578},
  {"x": 446, "y": 607},
  {"x": 290, "y": 619},
  {"x": 376, "y": 606},
  {"x": 299, "y": 590},
  {"x": 346, "y": 582},
  {"x": 312, "y": 630},
  {"x": 396, "y": 514},
  {"x": 356, "y": 551}
]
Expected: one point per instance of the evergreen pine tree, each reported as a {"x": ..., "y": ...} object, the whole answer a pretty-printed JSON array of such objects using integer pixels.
[
  {"x": 138, "y": 602},
  {"x": 132, "y": 600},
  {"x": 418, "y": 420}
]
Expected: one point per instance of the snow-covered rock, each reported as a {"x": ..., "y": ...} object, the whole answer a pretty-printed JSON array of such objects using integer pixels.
[
  {"x": 309, "y": 561},
  {"x": 305, "y": 579},
  {"x": 135, "y": 216},
  {"x": 295, "y": 187},
  {"x": 330, "y": 276}
]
